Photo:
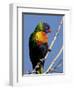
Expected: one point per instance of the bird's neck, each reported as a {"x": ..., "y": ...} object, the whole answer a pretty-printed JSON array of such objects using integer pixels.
[{"x": 41, "y": 37}]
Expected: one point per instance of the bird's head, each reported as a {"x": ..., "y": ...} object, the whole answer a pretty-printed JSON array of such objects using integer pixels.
[
  {"x": 46, "y": 28},
  {"x": 42, "y": 26}
]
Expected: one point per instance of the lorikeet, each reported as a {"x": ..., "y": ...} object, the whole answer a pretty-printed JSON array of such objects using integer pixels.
[{"x": 38, "y": 45}]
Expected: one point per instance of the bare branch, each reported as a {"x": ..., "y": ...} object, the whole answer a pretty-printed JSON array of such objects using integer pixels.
[{"x": 54, "y": 60}]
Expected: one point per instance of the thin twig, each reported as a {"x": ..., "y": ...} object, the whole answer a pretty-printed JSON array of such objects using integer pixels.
[{"x": 59, "y": 64}]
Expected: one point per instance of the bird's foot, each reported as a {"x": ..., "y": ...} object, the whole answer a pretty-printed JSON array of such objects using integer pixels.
[{"x": 49, "y": 50}]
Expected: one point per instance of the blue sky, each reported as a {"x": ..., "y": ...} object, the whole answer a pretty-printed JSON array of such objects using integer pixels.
[{"x": 30, "y": 22}]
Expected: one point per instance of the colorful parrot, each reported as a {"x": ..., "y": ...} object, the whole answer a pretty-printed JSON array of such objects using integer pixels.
[{"x": 38, "y": 46}]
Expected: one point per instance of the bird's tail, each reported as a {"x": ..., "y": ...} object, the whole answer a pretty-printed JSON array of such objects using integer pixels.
[{"x": 40, "y": 67}]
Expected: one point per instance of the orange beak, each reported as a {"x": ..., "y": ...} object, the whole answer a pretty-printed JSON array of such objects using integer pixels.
[{"x": 49, "y": 30}]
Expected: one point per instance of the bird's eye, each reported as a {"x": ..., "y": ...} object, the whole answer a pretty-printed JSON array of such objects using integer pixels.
[{"x": 46, "y": 28}]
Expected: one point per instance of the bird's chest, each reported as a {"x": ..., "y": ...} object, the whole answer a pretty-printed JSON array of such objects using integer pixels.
[{"x": 41, "y": 38}]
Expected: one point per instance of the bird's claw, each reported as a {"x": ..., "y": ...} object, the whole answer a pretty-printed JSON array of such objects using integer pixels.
[{"x": 49, "y": 50}]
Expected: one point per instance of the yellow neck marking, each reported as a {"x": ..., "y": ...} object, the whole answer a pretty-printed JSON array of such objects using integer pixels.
[{"x": 41, "y": 37}]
